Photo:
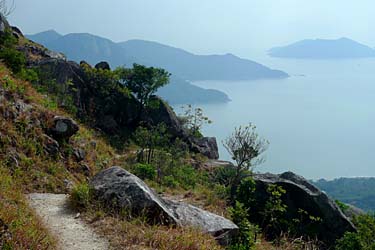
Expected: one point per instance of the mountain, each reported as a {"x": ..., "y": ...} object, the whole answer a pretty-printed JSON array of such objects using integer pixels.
[
  {"x": 94, "y": 49},
  {"x": 198, "y": 67},
  {"x": 324, "y": 49},
  {"x": 177, "y": 61},
  {"x": 355, "y": 191}
]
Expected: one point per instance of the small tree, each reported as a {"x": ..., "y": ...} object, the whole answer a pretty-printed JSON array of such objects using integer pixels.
[
  {"x": 5, "y": 8},
  {"x": 143, "y": 82},
  {"x": 246, "y": 147},
  {"x": 193, "y": 119}
]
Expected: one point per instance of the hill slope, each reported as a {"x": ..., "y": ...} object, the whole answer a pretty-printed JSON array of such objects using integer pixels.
[
  {"x": 324, "y": 49},
  {"x": 355, "y": 191}
]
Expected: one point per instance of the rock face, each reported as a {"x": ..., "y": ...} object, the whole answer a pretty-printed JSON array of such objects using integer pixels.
[
  {"x": 63, "y": 127},
  {"x": 207, "y": 146},
  {"x": 300, "y": 194},
  {"x": 219, "y": 227},
  {"x": 118, "y": 188},
  {"x": 103, "y": 65}
]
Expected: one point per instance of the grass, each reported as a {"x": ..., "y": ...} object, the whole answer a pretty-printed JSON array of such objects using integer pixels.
[
  {"x": 25, "y": 228},
  {"x": 136, "y": 234}
]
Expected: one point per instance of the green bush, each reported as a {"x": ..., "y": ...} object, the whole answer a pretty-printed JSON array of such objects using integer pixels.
[
  {"x": 14, "y": 59},
  {"x": 247, "y": 235},
  {"x": 145, "y": 171},
  {"x": 80, "y": 196},
  {"x": 170, "y": 181},
  {"x": 363, "y": 239}
]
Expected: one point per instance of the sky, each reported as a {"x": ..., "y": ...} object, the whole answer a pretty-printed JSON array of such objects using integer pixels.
[{"x": 242, "y": 27}]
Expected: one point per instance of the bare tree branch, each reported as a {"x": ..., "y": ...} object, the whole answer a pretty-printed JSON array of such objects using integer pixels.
[{"x": 7, "y": 7}]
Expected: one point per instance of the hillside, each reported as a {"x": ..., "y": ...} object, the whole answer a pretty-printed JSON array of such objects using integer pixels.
[
  {"x": 355, "y": 191},
  {"x": 324, "y": 49}
]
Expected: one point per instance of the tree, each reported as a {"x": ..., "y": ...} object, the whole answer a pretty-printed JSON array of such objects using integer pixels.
[
  {"x": 143, "y": 82},
  {"x": 193, "y": 119},
  {"x": 246, "y": 147},
  {"x": 5, "y": 8}
]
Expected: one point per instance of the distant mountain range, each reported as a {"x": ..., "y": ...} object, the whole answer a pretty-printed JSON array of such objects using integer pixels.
[
  {"x": 324, "y": 49},
  {"x": 183, "y": 65},
  {"x": 355, "y": 191}
]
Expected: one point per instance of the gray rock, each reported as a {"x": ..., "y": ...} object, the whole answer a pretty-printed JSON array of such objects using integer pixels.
[
  {"x": 300, "y": 194},
  {"x": 207, "y": 146},
  {"x": 103, "y": 65},
  {"x": 120, "y": 189},
  {"x": 352, "y": 211},
  {"x": 51, "y": 146},
  {"x": 63, "y": 127},
  {"x": 222, "y": 229},
  {"x": 79, "y": 154}
]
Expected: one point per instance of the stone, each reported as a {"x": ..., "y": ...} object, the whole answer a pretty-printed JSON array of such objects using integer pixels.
[
  {"x": 103, "y": 65},
  {"x": 79, "y": 154},
  {"x": 63, "y": 127},
  {"x": 300, "y": 194},
  {"x": 51, "y": 146},
  {"x": 219, "y": 227},
  {"x": 206, "y": 146},
  {"x": 120, "y": 189}
]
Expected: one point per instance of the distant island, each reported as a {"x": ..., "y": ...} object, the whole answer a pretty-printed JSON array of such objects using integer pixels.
[
  {"x": 184, "y": 65},
  {"x": 342, "y": 48}
]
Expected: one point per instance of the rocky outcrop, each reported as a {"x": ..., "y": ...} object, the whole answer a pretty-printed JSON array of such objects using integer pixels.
[
  {"x": 63, "y": 128},
  {"x": 222, "y": 229},
  {"x": 303, "y": 196},
  {"x": 103, "y": 65},
  {"x": 206, "y": 146},
  {"x": 119, "y": 189},
  {"x": 122, "y": 190}
]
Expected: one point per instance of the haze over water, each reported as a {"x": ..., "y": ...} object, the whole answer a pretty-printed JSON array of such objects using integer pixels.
[{"x": 320, "y": 122}]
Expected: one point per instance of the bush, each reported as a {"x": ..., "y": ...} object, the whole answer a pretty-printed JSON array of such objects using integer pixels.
[
  {"x": 14, "y": 59},
  {"x": 81, "y": 196},
  {"x": 363, "y": 239},
  {"x": 145, "y": 171},
  {"x": 247, "y": 235},
  {"x": 170, "y": 181}
]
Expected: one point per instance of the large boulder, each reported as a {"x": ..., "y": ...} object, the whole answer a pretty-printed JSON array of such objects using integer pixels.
[
  {"x": 120, "y": 189},
  {"x": 63, "y": 128},
  {"x": 303, "y": 196},
  {"x": 222, "y": 229}
]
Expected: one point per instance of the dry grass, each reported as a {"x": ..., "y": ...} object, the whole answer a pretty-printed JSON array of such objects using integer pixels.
[
  {"x": 25, "y": 229},
  {"x": 137, "y": 235}
]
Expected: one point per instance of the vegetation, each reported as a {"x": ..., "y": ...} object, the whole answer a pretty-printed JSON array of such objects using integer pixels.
[
  {"x": 245, "y": 146},
  {"x": 355, "y": 191},
  {"x": 193, "y": 119},
  {"x": 363, "y": 239},
  {"x": 143, "y": 82}
]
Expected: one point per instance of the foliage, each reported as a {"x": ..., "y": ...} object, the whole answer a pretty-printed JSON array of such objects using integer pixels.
[
  {"x": 145, "y": 171},
  {"x": 247, "y": 235},
  {"x": 80, "y": 196},
  {"x": 193, "y": 119},
  {"x": 356, "y": 191},
  {"x": 245, "y": 146},
  {"x": 143, "y": 82},
  {"x": 151, "y": 139},
  {"x": 363, "y": 239}
]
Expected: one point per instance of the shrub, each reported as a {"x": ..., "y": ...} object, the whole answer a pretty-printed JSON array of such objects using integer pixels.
[
  {"x": 145, "y": 171},
  {"x": 80, "y": 196},
  {"x": 247, "y": 235},
  {"x": 14, "y": 59},
  {"x": 170, "y": 181}
]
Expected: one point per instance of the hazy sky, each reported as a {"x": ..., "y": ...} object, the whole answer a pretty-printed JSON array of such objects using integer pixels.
[{"x": 243, "y": 27}]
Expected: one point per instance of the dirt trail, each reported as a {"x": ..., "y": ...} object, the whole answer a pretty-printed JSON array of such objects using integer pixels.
[{"x": 71, "y": 232}]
